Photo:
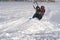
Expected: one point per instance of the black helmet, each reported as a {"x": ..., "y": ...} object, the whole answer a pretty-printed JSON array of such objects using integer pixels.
[{"x": 37, "y": 7}]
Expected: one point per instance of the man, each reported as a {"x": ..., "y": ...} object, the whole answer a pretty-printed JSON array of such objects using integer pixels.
[
  {"x": 42, "y": 10},
  {"x": 39, "y": 12}
]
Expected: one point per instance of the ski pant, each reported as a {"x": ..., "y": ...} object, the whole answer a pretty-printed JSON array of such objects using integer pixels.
[{"x": 39, "y": 16}]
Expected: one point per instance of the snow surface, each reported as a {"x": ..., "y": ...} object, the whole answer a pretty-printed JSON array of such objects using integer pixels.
[{"x": 15, "y": 23}]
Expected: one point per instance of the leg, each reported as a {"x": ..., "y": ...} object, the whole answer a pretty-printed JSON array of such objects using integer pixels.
[
  {"x": 34, "y": 15},
  {"x": 39, "y": 16}
]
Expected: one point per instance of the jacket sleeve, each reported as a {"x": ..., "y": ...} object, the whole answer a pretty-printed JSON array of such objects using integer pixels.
[{"x": 44, "y": 10}]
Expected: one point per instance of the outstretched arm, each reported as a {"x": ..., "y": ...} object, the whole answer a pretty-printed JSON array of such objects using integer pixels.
[{"x": 34, "y": 7}]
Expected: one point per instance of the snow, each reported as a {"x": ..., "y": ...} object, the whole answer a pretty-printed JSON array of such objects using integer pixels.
[{"x": 15, "y": 23}]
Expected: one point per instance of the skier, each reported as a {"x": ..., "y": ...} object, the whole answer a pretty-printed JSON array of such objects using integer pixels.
[
  {"x": 42, "y": 10},
  {"x": 39, "y": 12}
]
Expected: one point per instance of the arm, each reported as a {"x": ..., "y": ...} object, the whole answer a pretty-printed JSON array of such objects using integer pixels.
[
  {"x": 44, "y": 10},
  {"x": 34, "y": 7}
]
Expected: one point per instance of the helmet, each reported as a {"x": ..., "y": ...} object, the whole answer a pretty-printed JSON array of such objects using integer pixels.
[
  {"x": 37, "y": 7},
  {"x": 42, "y": 7}
]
